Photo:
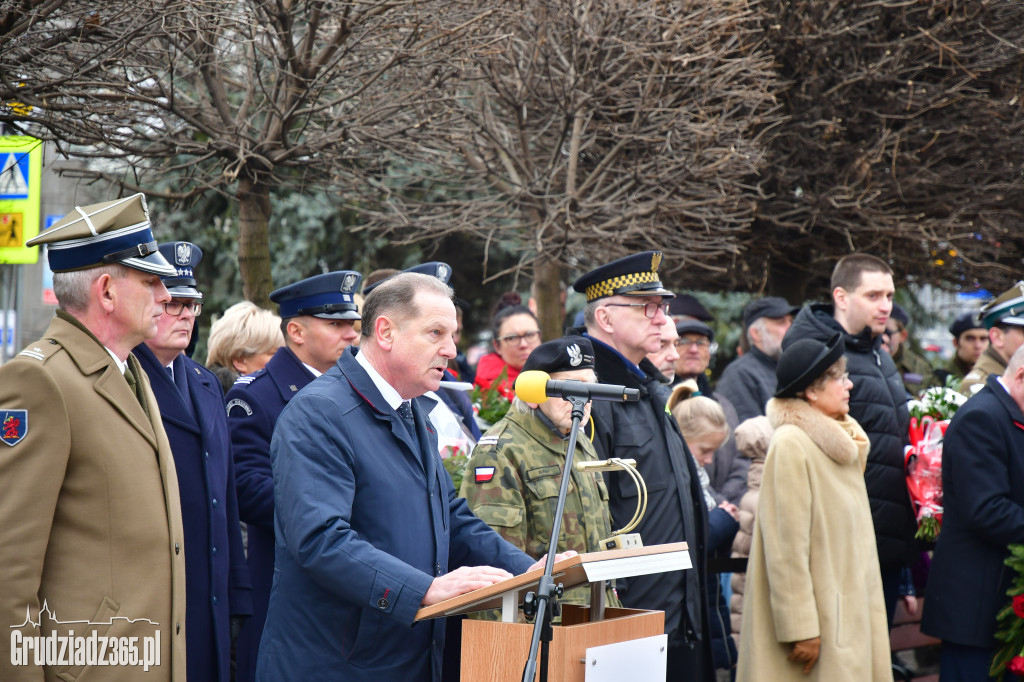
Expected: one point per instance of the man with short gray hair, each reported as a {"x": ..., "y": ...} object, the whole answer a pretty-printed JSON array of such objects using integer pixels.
[
  {"x": 748, "y": 382},
  {"x": 91, "y": 537},
  {"x": 367, "y": 522}
]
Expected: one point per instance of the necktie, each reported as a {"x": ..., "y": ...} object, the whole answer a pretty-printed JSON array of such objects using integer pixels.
[
  {"x": 129, "y": 375},
  {"x": 405, "y": 410}
]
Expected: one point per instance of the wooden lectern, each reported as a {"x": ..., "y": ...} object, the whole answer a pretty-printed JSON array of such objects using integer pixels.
[{"x": 497, "y": 651}]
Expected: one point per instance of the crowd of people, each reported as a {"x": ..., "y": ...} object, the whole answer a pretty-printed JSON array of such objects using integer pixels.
[{"x": 284, "y": 510}]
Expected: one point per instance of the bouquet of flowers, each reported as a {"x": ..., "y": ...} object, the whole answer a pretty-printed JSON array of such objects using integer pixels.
[
  {"x": 1010, "y": 620},
  {"x": 929, "y": 417}
]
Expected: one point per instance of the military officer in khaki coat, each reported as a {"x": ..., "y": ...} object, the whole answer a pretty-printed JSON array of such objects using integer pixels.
[
  {"x": 512, "y": 479},
  {"x": 90, "y": 522},
  {"x": 1003, "y": 316}
]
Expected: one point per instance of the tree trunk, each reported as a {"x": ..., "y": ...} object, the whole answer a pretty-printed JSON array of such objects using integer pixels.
[
  {"x": 254, "y": 242},
  {"x": 547, "y": 277}
]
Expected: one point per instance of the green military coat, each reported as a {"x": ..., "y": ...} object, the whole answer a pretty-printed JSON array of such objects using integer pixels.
[
  {"x": 90, "y": 517},
  {"x": 512, "y": 484},
  {"x": 990, "y": 362}
]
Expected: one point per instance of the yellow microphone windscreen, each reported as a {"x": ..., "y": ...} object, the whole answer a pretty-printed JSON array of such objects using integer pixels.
[{"x": 530, "y": 386}]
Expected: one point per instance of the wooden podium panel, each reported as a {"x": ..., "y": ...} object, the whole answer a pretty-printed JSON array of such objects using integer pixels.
[
  {"x": 497, "y": 652},
  {"x": 577, "y": 570}
]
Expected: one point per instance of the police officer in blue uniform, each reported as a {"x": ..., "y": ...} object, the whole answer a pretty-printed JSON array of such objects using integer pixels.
[
  {"x": 218, "y": 593},
  {"x": 318, "y": 314}
]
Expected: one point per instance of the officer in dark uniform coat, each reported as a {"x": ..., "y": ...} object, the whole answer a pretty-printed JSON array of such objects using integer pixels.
[
  {"x": 191, "y": 400},
  {"x": 318, "y": 315},
  {"x": 626, "y": 306},
  {"x": 983, "y": 503}
]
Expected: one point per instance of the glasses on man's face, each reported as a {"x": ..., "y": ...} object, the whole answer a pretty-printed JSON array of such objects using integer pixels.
[
  {"x": 175, "y": 308},
  {"x": 528, "y": 337},
  {"x": 687, "y": 343},
  {"x": 650, "y": 309}
]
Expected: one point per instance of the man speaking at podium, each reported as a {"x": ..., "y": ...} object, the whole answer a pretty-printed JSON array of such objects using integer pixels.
[
  {"x": 366, "y": 519},
  {"x": 626, "y": 308}
]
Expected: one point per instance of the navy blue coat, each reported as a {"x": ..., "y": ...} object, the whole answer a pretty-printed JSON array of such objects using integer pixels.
[
  {"x": 983, "y": 512},
  {"x": 253, "y": 406},
  {"x": 216, "y": 578},
  {"x": 366, "y": 517}
]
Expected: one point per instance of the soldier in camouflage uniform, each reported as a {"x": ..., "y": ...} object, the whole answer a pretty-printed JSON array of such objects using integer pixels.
[
  {"x": 915, "y": 371},
  {"x": 513, "y": 478},
  {"x": 1004, "y": 319}
]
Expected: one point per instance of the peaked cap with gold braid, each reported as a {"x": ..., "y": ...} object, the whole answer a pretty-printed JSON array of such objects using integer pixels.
[{"x": 635, "y": 275}]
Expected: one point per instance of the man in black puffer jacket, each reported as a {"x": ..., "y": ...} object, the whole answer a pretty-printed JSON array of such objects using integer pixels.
[{"x": 862, "y": 290}]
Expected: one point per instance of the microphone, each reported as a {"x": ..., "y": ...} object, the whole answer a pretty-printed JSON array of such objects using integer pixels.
[{"x": 535, "y": 386}]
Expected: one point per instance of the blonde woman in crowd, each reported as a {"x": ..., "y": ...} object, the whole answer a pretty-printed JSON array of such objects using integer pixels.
[
  {"x": 241, "y": 341},
  {"x": 704, "y": 426},
  {"x": 813, "y": 608}
]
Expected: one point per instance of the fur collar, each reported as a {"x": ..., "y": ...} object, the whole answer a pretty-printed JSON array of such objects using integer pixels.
[{"x": 840, "y": 439}]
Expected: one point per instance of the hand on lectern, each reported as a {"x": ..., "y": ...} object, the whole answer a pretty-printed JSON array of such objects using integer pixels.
[
  {"x": 461, "y": 580},
  {"x": 558, "y": 557}
]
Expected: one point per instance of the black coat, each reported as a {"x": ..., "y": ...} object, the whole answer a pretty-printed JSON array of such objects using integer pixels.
[
  {"x": 644, "y": 431},
  {"x": 983, "y": 512},
  {"x": 878, "y": 402},
  {"x": 217, "y": 582}
]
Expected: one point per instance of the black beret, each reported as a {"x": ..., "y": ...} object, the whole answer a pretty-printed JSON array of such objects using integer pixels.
[
  {"x": 964, "y": 322},
  {"x": 899, "y": 313},
  {"x": 804, "y": 361},
  {"x": 689, "y": 306},
  {"x": 561, "y": 355}
]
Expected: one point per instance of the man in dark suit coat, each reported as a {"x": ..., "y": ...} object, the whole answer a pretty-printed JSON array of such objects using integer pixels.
[
  {"x": 191, "y": 400},
  {"x": 318, "y": 316},
  {"x": 983, "y": 503},
  {"x": 367, "y": 520}
]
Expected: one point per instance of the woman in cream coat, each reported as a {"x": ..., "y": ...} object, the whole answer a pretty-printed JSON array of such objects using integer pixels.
[{"x": 813, "y": 608}]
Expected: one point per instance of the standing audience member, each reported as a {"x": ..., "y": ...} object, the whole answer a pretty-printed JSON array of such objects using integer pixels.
[
  {"x": 90, "y": 515},
  {"x": 813, "y": 607},
  {"x": 367, "y": 522},
  {"x": 970, "y": 339},
  {"x": 242, "y": 341},
  {"x": 916, "y": 372},
  {"x": 696, "y": 345},
  {"x": 318, "y": 315},
  {"x": 191, "y": 402},
  {"x": 862, "y": 291},
  {"x": 752, "y": 438},
  {"x": 983, "y": 513},
  {"x": 1004, "y": 318},
  {"x": 748, "y": 382},
  {"x": 515, "y": 332},
  {"x": 625, "y": 310},
  {"x": 703, "y": 425},
  {"x": 664, "y": 359},
  {"x": 513, "y": 478}
]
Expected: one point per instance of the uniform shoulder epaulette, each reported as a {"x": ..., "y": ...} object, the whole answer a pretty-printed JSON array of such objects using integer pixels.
[
  {"x": 249, "y": 378},
  {"x": 42, "y": 349},
  {"x": 492, "y": 436}
]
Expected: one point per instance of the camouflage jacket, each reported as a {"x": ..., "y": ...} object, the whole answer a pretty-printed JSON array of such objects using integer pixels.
[
  {"x": 915, "y": 371},
  {"x": 990, "y": 362},
  {"x": 512, "y": 482}
]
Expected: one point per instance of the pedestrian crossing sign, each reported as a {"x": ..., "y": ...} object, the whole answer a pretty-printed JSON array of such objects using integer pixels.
[{"x": 21, "y": 164}]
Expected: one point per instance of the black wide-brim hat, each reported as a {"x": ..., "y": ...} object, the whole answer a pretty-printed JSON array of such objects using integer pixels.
[{"x": 803, "y": 362}]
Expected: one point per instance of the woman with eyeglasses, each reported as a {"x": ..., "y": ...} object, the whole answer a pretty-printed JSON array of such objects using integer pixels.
[
  {"x": 515, "y": 332},
  {"x": 813, "y": 607}
]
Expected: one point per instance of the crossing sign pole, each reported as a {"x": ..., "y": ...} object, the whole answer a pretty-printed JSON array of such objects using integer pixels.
[{"x": 21, "y": 171}]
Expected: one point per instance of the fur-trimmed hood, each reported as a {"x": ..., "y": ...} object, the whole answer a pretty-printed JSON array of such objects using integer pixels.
[{"x": 843, "y": 440}]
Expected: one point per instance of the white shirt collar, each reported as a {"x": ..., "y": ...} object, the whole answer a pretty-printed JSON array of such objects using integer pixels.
[
  {"x": 1003, "y": 384},
  {"x": 387, "y": 391},
  {"x": 123, "y": 366},
  {"x": 315, "y": 371}
]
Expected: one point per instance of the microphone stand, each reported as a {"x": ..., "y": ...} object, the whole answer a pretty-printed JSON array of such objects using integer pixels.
[{"x": 543, "y": 606}]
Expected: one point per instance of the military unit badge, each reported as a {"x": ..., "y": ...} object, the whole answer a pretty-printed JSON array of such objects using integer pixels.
[
  {"x": 13, "y": 426},
  {"x": 483, "y": 474}
]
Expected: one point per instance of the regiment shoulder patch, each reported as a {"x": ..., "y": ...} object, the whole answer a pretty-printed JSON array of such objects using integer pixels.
[
  {"x": 238, "y": 402},
  {"x": 13, "y": 426},
  {"x": 483, "y": 474}
]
